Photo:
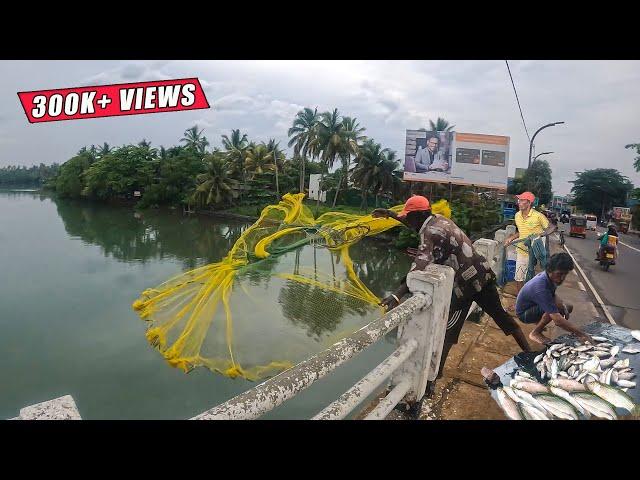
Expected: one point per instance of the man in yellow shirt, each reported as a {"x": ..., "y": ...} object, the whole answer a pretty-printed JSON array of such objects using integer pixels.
[{"x": 528, "y": 222}]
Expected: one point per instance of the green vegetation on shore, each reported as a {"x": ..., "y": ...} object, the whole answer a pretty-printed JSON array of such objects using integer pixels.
[{"x": 242, "y": 175}]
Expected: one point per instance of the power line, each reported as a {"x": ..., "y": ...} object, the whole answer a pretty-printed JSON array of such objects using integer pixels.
[{"x": 518, "y": 100}]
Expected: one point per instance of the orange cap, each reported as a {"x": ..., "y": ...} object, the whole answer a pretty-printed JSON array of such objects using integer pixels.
[
  {"x": 527, "y": 196},
  {"x": 415, "y": 204}
]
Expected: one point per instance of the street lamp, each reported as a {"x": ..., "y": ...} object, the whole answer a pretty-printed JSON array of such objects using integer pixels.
[
  {"x": 534, "y": 136},
  {"x": 543, "y": 153}
]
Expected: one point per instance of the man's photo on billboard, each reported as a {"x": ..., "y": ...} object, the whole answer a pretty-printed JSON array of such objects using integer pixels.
[{"x": 432, "y": 153}]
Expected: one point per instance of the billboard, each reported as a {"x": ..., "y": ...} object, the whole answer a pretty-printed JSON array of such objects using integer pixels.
[{"x": 458, "y": 158}]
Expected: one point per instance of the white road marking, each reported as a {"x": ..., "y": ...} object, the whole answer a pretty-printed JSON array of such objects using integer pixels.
[
  {"x": 629, "y": 246},
  {"x": 581, "y": 285},
  {"x": 593, "y": 290}
]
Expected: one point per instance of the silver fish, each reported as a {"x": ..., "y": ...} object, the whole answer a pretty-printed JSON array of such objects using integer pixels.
[
  {"x": 508, "y": 405},
  {"x": 624, "y": 370},
  {"x": 529, "y": 387},
  {"x": 608, "y": 362},
  {"x": 529, "y": 412},
  {"x": 568, "y": 385},
  {"x": 624, "y": 376},
  {"x": 509, "y": 391},
  {"x": 555, "y": 346},
  {"x": 564, "y": 375},
  {"x": 614, "y": 376},
  {"x": 581, "y": 376},
  {"x": 612, "y": 395},
  {"x": 566, "y": 396},
  {"x": 601, "y": 353},
  {"x": 554, "y": 368},
  {"x": 522, "y": 373},
  {"x": 583, "y": 348},
  {"x": 538, "y": 358},
  {"x": 557, "y": 406},
  {"x": 635, "y": 334},
  {"x": 615, "y": 350},
  {"x": 600, "y": 339},
  {"x": 572, "y": 369},
  {"x": 529, "y": 399},
  {"x": 632, "y": 349},
  {"x": 626, "y": 383},
  {"x": 621, "y": 364},
  {"x": 595, "y": 405},
  {"x": 591, "y": 365},
  {"x": 608, "y": 375}
]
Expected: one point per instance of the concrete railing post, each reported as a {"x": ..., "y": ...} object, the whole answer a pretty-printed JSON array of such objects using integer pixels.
[
  {"x": 500, "y": 253},
  {"x": 427, "y": 326}
]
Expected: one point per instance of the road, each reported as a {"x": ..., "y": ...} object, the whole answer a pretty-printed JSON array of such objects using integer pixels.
[{"x": 619, "y": 288}]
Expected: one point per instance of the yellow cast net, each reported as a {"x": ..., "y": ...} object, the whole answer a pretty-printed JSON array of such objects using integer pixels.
[{"x": 235, "y": 316}]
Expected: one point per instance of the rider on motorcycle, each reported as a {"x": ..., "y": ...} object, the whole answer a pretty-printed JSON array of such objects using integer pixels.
[{"x": 604, "y": 240}]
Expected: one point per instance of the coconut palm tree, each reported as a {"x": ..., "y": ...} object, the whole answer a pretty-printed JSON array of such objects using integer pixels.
[
  {"x": 385, "y": 178},
  {"x": 105, "y": 149},
  {"x": 215, "y": 185},
  {"x": 351, "y": 143},
  {"x": 331, "y": 140},
  {"x": 195, "y": 140},
  {"x": 303, "y": 137},
  {"x": 366, "y": 174},
  {"x": 278, "y": 159},
  {"x": 259, "y": 159},
  {"x": 441, "y": 125},
  {"x": 236, "y": 148}
]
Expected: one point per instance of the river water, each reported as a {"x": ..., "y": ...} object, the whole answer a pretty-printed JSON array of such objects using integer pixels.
[{"x": 69, "y": 272}]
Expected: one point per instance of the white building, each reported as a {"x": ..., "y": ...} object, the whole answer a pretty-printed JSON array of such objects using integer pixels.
[{"x": 314, "y": 187}]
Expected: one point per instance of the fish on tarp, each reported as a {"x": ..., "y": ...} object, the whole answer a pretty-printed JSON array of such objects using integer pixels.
[
  {"x": 595, "y": 405},
  {"x": 612, "y": 395},
  {"x": 509, "y": 406}
]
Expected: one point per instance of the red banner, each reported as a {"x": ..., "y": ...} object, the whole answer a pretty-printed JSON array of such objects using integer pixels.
[{"x": 113, "y": 100}]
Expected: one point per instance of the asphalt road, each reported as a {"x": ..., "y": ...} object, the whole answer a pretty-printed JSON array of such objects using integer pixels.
[{"x": 619, "y": 288}]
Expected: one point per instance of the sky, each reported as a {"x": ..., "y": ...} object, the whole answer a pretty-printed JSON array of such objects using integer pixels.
[{"x": 599, "y": 101}]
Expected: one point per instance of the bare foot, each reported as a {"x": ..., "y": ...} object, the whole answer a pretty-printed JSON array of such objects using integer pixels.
[{"x": 538, "y": 337}]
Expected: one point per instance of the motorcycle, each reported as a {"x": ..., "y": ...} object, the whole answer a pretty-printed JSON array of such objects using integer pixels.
[{"x": 606, "y": 256}]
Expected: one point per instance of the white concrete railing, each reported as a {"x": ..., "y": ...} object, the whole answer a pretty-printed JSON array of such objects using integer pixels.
[{"x": 421, "y": 322}]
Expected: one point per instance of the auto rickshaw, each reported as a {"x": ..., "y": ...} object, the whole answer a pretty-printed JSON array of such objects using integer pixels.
[{"x": 578, "y": 227}]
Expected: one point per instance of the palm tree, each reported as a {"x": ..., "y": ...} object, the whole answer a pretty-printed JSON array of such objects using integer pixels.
[
  {"x": 330, "y": 140},
  {"x": 236, "y": 149},
  {"x": 384, "y": 176},
  {"x": 278, "y": 159},
  {"x": 143, "y": 143},
  {"x": 105, "y": 149},
  {"x": 258, "y": 159},
  {"x": 303, "y": 135},
  {"x": 215, "y": 185},
  {"x": 366, "y": 173},
  {"x": 351, "y": 143},
  {"x": 195, "y": 140},
  {"x": 441, "y": 125}
]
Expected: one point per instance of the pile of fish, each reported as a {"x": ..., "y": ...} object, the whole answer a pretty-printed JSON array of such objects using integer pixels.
[{"x": 583, "y": 379}]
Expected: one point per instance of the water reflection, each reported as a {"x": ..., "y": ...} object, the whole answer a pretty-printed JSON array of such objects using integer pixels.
[
  {"x": 320, "y": 312},
  {"x": 138, "y": 237}
]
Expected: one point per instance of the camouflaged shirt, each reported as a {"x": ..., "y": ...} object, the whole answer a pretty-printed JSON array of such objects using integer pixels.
[{"x": 442, "y": 242}]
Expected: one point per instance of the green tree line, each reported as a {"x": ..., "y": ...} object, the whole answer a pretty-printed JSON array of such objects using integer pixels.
[{"x": 36, "y": 175}]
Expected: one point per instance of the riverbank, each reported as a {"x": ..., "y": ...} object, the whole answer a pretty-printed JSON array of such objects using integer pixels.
[{"x": 461, "y": 393}]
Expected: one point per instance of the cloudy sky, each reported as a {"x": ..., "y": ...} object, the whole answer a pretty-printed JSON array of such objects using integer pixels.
[{"x": 598, "y": 100}]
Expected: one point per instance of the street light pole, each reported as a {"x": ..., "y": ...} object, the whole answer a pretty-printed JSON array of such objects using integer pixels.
[
  {"x": 543, "y": 153},
  {"x": 534, "y": 136}
]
